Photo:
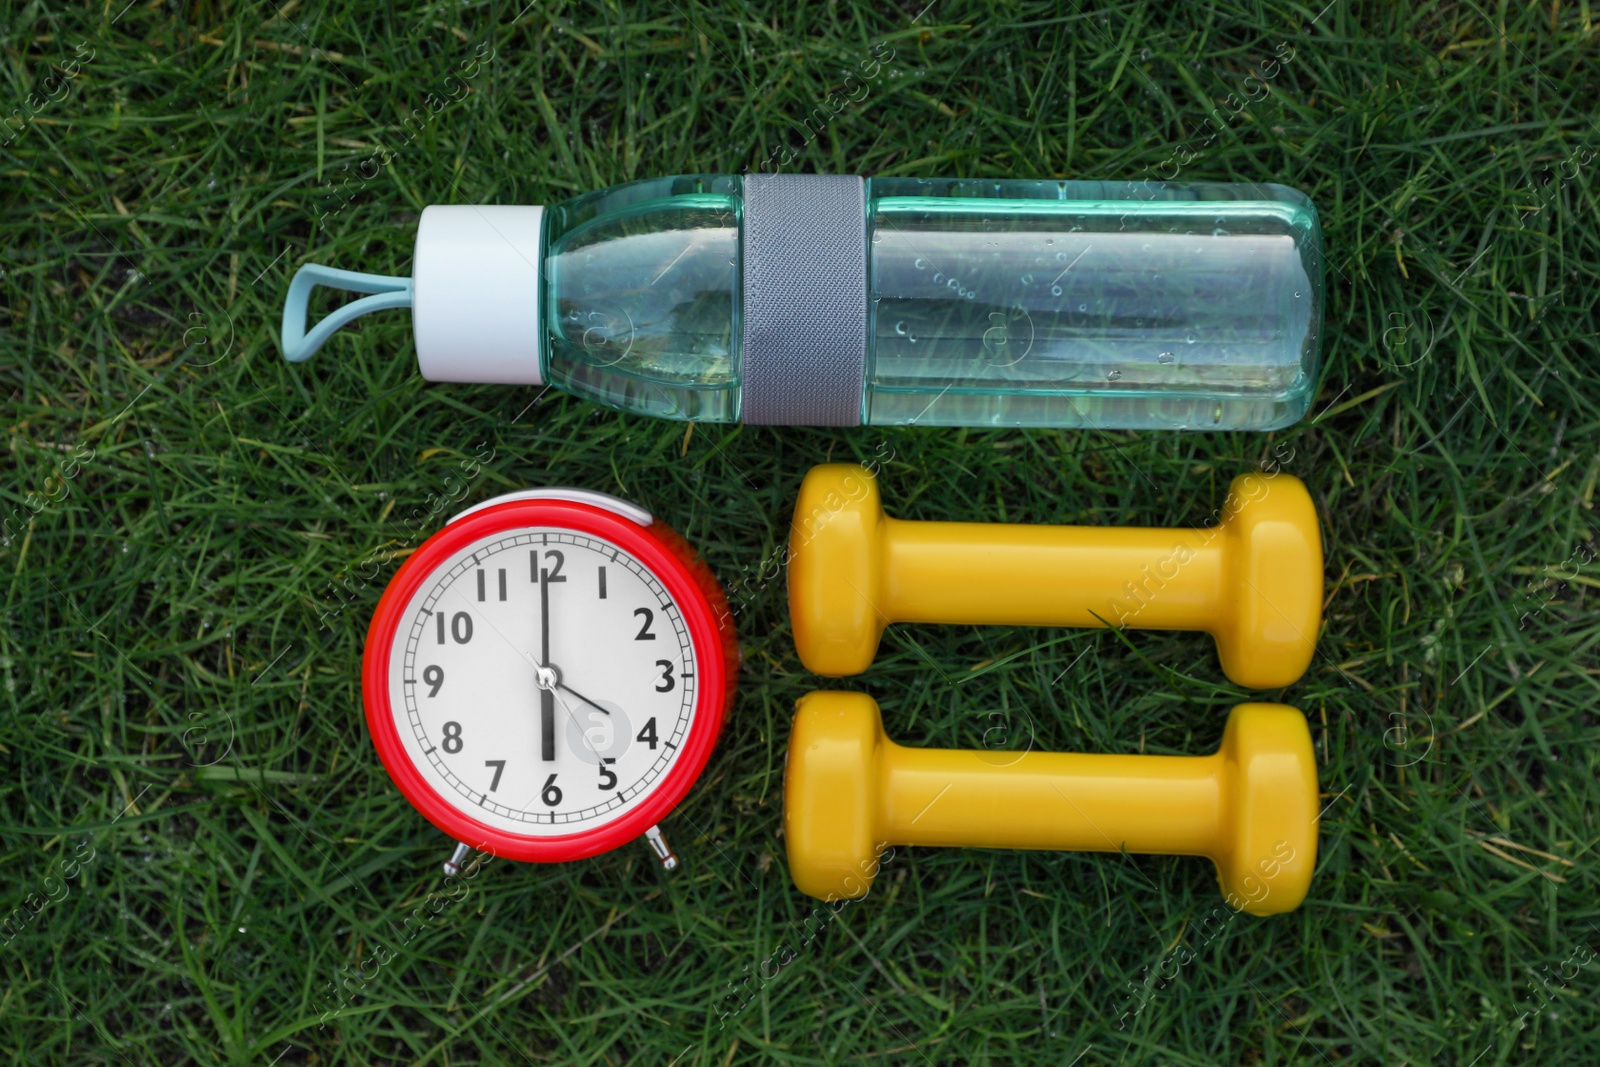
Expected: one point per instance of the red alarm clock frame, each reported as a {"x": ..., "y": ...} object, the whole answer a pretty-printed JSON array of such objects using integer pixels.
[{"x": 546, "y": 677}]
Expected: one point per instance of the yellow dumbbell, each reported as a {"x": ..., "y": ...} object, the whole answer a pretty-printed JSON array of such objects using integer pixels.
[
  {"x": 1254, "y": 581},
  {"x": 1251, "y": 807}
]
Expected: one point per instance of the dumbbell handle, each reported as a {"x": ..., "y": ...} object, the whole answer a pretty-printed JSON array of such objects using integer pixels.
[
  {"x": 1166, "y": 805},
  {"x": 1000, "y": 574}
]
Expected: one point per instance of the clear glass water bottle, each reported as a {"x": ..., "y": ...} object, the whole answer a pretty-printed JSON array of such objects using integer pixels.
[{"x": 823, "y": 300}]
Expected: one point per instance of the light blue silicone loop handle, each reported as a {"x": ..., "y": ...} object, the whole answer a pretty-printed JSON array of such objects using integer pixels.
[{"x": 298, "y": 345}]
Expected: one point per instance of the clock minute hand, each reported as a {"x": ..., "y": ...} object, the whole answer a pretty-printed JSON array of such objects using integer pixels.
[{"x": 547, "y": 695}]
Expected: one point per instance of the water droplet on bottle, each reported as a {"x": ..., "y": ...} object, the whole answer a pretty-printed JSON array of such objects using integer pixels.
[
  {"x": 1026, "y": 279},
  {"x": 937, "y": 276},
  {"x": 1055, "y": 290},
  {"x": 952, "y": 284},
  {"x": 1216, "y": 415},
  {"x": 1297, "y": 294},
  {"x": 900, "y": 327},
  {"x": 877, "y": 238},
  {"x": 1061, "y": 257},
  {"x": 1083, "y": 307},
  {"x": 1218, "y": 232},
  {"x": 1145, "y": 247},
  {"x": 1114, "y": 375},
  {"x": 1049, "y": 240},
  {"x": 1188, "y": 339},
  {"x": 1166, "y": 359},
  {"x": 920, "y": 263}
]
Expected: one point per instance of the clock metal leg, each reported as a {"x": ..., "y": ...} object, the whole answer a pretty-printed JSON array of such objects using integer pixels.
[
  {"x": 659, "y": 846},
  {"x": 457, "y": 860}
]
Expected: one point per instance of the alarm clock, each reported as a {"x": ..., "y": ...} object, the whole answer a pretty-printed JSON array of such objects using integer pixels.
[{"x": 546, "y": 677}]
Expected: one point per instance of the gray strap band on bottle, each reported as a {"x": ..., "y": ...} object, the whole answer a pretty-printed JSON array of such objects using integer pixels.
[{"x": 805, "y": 300}]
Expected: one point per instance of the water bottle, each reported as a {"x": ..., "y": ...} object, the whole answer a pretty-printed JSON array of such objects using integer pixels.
[{"x": 826, "y": 300}]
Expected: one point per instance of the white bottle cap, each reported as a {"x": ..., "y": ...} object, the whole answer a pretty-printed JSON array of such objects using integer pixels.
[{"x": 475, "y": 294}]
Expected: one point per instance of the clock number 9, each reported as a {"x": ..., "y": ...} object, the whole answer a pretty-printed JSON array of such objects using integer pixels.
[{"x": 434, "y": 677}]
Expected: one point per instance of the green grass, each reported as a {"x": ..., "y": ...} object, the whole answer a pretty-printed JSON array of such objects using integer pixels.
[{"x": 186, "y": 512}]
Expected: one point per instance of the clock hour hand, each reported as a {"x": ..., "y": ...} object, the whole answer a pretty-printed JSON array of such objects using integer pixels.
[
  {"x": 547, "y": 724},
  {"x": 580, "y": 696}
]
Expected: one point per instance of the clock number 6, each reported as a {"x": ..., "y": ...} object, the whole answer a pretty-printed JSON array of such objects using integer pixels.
[{"x": 551, "y": 794}]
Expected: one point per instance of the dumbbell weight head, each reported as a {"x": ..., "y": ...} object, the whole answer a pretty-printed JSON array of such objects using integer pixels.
[
  {"x": 830, "y": 795},
  {"x": 1270, "y": 610},
  {"x": 1269, "y": 846},
  {"x": 837, "y": 602}
]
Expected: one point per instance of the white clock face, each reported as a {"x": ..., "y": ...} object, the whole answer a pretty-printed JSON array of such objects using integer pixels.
[{"x": 542, "y": 681}]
